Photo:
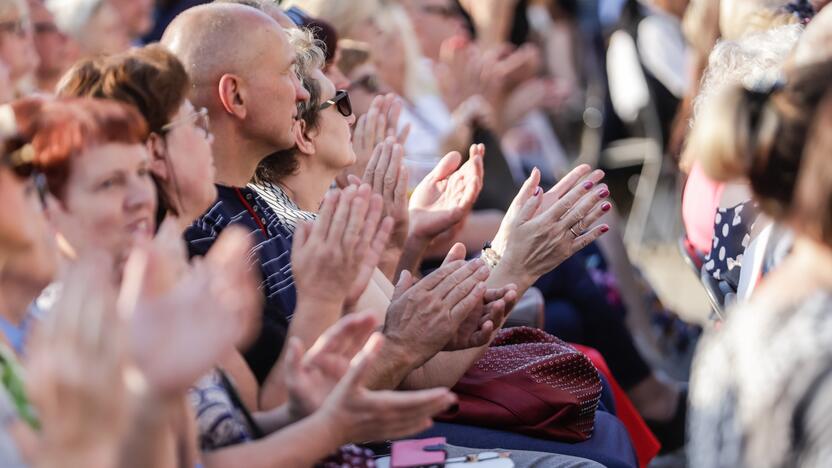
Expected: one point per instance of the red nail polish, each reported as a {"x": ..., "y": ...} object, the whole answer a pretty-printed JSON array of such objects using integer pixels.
[
  {"x": 588, "y": 184},
  {"x": 537, "y": 191},
  {"x": 604, "y": 229},
  {"x": 606, "y": 207},
  {"x": 604, "y": 193}
]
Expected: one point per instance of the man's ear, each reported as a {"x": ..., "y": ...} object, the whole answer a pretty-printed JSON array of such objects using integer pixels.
[
  {"x": 158, "y": 152},
  {"x": 232, "y": 95},
  {"x": 302, "y": 138}
]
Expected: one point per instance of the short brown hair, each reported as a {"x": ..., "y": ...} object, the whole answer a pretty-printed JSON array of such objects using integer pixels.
[
  {"x": 149, "y": 78},
  {"x": 65, "y": 128},
  {"x": 813, "y": 196}
]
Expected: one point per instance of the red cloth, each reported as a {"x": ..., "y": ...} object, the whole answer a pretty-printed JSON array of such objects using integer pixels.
[
  {"x": 700, "y": 201},
  {"x": 645, "y": 443}
]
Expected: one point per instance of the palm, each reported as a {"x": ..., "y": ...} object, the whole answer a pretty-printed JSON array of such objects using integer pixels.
[{"x": 443, "y": 197}]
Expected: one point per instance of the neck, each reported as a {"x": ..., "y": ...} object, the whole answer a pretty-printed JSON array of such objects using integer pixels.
[
  {"x": 235, "y": 157},
  {"x": 14, "y": 300},
  {"x": 308, "y": 185},
  {"x": 48, "y": 82}
]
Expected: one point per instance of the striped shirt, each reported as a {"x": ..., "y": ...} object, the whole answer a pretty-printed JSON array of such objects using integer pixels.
[{"x": 286, "y": 210}]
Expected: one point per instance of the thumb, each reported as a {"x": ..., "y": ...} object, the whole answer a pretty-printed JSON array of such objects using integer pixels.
[
  {"x": 353, "y": 179},
  {"x": 530, "y": 207},
  {"x": 457, "y": 252},
  {"x": 446, "y": 166},
  {"x": 404, "y": 283}
]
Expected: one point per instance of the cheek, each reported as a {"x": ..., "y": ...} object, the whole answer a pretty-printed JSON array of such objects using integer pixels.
[{"x": 94, "y": 220}]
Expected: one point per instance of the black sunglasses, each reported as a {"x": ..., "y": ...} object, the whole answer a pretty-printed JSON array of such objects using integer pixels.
[{"x": 341, "y": 101}]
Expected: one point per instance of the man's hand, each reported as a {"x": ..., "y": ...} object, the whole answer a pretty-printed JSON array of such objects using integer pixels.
[{"x": 425, "y": 316}]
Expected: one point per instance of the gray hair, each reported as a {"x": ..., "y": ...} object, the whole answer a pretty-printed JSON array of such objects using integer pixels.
[
  {"x": 309, "y": 50},
  {"x": 755, "y": 62}
]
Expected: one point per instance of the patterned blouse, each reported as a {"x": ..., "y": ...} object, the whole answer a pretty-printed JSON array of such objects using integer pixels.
[
  {"x": 761, "y": 388},
  {"x": 286, "y": 210}
]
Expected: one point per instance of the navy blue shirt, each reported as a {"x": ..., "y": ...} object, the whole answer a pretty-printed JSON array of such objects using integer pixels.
[{"x": 271, "y": 251}]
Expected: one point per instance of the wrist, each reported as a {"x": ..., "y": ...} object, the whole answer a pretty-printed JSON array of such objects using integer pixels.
[
  {"x": 399, "y": 360},
  {"x": 507, "y": 272},
  {"x": 328, "y": 429}
]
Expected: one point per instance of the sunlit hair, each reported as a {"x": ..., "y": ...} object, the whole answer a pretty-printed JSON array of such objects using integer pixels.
[
  {"x": 759, "y": 134},
  {"x": 65, "y": 129},
  {"x": 812, "y": 213}
]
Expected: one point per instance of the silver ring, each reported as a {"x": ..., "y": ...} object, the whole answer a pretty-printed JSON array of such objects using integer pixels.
[{"x": 573, "y": 232}]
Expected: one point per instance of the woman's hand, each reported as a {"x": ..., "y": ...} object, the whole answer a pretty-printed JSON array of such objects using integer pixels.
[
  {"x": 446, "y": 195},
  {"x": 361, "y": 415},
  {"x": 197, "y": 313},
  {"x": 75, "y": 370},
  {"x": 334, "y": 258},
  {"x": 540, "y": 230},
  {"x": 380, "y": 122}
]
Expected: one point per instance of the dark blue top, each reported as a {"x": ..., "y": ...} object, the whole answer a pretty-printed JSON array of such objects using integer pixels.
[{"x": 272, "y": 245}]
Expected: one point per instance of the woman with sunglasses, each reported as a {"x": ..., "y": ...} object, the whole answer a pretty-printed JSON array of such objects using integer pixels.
[{"x": 179, "y": 143}]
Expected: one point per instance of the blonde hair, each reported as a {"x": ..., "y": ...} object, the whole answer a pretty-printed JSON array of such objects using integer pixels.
[
  {"x": 737, "y": 17},
  {"x": 418, "y": 81},
  {"x": 310, "y": 51},
  {"x": 760, "y": 134},
  {"x": 353, "y": 55}
]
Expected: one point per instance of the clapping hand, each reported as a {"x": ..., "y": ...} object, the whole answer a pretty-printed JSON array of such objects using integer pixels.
[
  {"x": 540, "y": 230},
  {"x": 334, "y": 258},
  {"x": 446, "y": 195},
  {"x": 197, "y": 312}
]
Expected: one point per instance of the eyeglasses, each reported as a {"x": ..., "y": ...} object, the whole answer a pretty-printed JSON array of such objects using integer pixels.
[
  {"x": 341, "y": 101},
  {"x": 443, "y": 11},
  {"x": 18, "y": 28},
  {"x": 45, "y": 28},
  {"x": 368, "y": 83},
  {"x": 199, "y": 118}
]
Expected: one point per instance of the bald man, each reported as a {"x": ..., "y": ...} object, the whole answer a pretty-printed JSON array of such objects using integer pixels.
[{"x": 242, "y": 69}]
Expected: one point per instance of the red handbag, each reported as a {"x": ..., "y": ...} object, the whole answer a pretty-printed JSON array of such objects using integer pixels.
[{"x": 529, "y": 382}]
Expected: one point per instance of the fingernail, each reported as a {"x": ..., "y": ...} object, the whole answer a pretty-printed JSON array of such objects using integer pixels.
[
  {"x": 537, "y": 191},
  {"x": 606, "y": 207},
  {"x": 605, "y": 228},
  {"x": 604, "y": 193},
  {"x": 588, "y": 184}
]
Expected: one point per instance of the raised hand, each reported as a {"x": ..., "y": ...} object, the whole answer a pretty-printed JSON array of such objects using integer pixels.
[
  {"x": 362, "y": 415},
  {"x": 425, "y": 316},
  {"x": 75, "y": 370},
  {"x": 380, "y": 122},
  {"x": 197, "y": 313},
  {"x": 310, "y": 377},
  {"x": 541, "y": 231},
  {"x": 446, "y": 195},
  {"x": 333, "y": 259}
]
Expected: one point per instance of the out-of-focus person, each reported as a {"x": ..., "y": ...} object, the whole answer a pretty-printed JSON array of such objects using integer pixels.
[
  {"x": 96, "y": 25},
  {"x": 17, "y": 46},
  {"x": 57, "y": 51}
]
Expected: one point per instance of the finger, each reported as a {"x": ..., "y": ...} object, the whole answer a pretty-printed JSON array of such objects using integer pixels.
[
  {"x": 375, "y": 208},
  {"x": 472, "y": 272},
  {"x": 456, "y": 253},
  {"x": 482, "y": 335},
  {"x": 301, "y": 233},
  {"x": 391, "y": 176},
  {"x": 531, "y": 206},
  {"x": 572, "y": 198},
  {"x": 589, "y": 237},
  {"x": 527, "y": 190},
  {"x": 358, "y": 133},
  {"x": 446, "y": 166},
  {"x": 340, "y": 338},
  {"x": 400, "y": 191},
  {"x": 463, "y": 300},
  {"x": 371, "y": 139},
  {"x": 353, "y": 179},
  {"x": 600, "y": 209},
  {"x": 583, "y": 205},
  {"x": 341, "y": 216},
  {"x": 393, "y": 117},
  {"x": 370, "y": 170},
  {"x": 320, "y": 227},
  {"x": 405, "y": 282},
  {"x": 381, "y": 121},
  {"x": 404, "y": 134},
  {"x": 294, "y": 356},
  {"x": 568, "y": 181},
  {"x": 381, "y": 168},
  {"x": 352, "y": 240}
]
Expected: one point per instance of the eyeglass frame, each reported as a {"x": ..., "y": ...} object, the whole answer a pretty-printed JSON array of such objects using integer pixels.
[
  {"x": 198, "y": 115},
  {"x": 340, "y": 100}
]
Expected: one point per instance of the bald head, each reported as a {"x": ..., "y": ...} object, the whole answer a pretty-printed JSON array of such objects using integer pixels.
[
  {"x": 816, "y": 43},
  {"x": 222, "y": 38}
]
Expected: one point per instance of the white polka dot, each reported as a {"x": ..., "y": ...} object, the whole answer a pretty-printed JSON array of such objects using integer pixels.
[
  {"x": 725, "y": 230},
  {"x": 718, "y": 217},
  {"x": 722, "y": 254},
  {"x": 716, "y": 241}
]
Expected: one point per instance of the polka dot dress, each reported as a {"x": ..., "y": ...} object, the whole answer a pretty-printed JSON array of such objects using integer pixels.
[{"x": 732, "y": 234}]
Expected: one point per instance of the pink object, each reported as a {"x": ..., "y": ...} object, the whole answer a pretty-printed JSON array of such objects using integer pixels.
[
  {"x": 700, "y": 200},
  {"x": 408, "y": 453}
]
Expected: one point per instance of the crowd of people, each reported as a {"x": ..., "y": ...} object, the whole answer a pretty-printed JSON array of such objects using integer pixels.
[{"x": 296, "y": 233}]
